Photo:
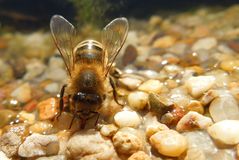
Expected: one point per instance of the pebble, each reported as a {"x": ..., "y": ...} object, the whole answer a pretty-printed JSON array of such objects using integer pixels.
[
  {"x": 61, "y": 75},
  {"x": 193, "y": 120},
  {"x": 21, "y": 129},
  {"x": 63, "y": 137},
  {"x": 41, "y": 127},
  {"x": 48, "y": 108},
  {"x": 159, "y": 104},
  {"x": 9, "y": 143},
  {"x": 230, "y": 65},
  {"x": 152, "y": 125},
  {"x": 127, "y": 119},
  {"x": 22, "y": 93},
  {"x": 130, "y": 55},
  {"x": 200, "y": 140},
  {"x": 196, "y": 106},
  {"x": 169, "y": 143},
  {"x": 151, "y": 86},
  {"x": 198, "y": 85},
  {"x": 6, "y": 72},
  {"x": 6, "y": 116},
  {"x": 224, "y": 107},
  {"x": 108, "y": 130},
  {"x": 34, "y": 69},
  {"x": 52, "y": 88},
  {"x": 195, "y": 154},
  {"x": 125, "y": 142},
  {"x": 140, "y": 155},
  {"x": 90, "y": 144},
  {"x": 204, "y": 43},
  {"x": 209, "y": 96},
  {"x": 58, "y": 157},
  {"x": 225, "y": 131},
  {"x": 137, "y": 100},
  {"x": 155, "y": 21},
  {"x": 130, "y": 83},
  {"x": 39, "y": 145},
  {"x": 3, "y": 156},
  {"x": 26, "y": 117},
  {"x": 164, "y": 42}
]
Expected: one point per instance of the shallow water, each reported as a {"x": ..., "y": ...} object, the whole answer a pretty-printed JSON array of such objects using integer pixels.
[{"x": 177, "y": 78}]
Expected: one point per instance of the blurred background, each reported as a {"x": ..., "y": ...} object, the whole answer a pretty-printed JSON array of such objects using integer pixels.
[{"x": 25, "y": 15}]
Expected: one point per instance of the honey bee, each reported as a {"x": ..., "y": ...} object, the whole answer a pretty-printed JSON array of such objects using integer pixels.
[{"x": 88, "y": 64}]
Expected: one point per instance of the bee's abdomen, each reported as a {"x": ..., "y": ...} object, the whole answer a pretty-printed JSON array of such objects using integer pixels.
[{"x": 89, "y": 51}]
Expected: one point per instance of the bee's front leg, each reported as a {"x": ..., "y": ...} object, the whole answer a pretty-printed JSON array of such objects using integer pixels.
[
  {"x": 61, "y": 104},
  {"x": 115, "y": 94}
]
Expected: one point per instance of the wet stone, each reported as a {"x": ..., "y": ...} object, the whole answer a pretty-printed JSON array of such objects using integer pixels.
[
  {"x": 9, "y": 143},
  {"x": 130, "y": 55},
  {"x": 90, "y": 145},
  {"x": 6, "y": 116},
  {"x": 48, "y": 108},
  {"x": 39, "y": 145}
]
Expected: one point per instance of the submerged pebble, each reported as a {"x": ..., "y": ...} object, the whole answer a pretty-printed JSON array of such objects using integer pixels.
[
  {"x": 140, "y": 155},
  {"x": 126, "y": 142},
  {"x": 224, "y": 107},
  {"x": 90, "y": 145},
  {"x": 9, "y": 143},
  {"x": 48, "y": 108},
  {"x": 193, "y": 120},
  {"x": 127, "y": 119},
  {"x": 23, "y": 93},
  {"x": 137, "y": 100},
  {"x": 39, "y": 145},
  {"x": 169, "y": 143},
  {"x": 200, "y": 84},
  {"x": 225, "y": 131}
]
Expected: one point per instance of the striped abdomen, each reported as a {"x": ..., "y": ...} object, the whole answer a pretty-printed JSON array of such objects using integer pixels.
[{"x": 89, "y": 51}]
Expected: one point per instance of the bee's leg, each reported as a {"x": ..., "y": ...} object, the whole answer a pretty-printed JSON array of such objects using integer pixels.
[
  {"x": 61, "y": 104},
  {"x": 74, "y": 116},
  {"x": 115, "y": 94},
  {"x": 72, "y": 120}
]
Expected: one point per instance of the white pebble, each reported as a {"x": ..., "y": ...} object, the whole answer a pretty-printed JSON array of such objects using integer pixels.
[
  {"x": 58, "y": 157},
  {"x": 225, "y": 131},
  {"x": 137, "y": 100},
  {"x": 52, "y": 88},
  {"x": 108, "y": 130},
  {"x": 39, "y": 145},
  {"x": 126, "y": 142},
  {"x": 169, "y": 143},
  {"x": 152, "y": 125},
  {"x": 86, "y": 145},
  {"x": 205, "y": 43},
  {"x": 127, "y": 119},
  {"x": 201, "y": 141},
  {"x": 3, "y": 156},
  {"x": 151, "y": 86},
  {"x": 224, "y": 107},
  {"x": 22, "y": 93},
  {"x": 200, "y": 84},
  {"x": 193, "y": 120},
  {"x": 34, "y": 68},
  {"x": 130, "y": 82}
]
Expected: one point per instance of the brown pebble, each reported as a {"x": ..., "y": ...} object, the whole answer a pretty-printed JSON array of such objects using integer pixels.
[
  {"x": 130, "y": 55},
  {"x": 48, "y": 108}
]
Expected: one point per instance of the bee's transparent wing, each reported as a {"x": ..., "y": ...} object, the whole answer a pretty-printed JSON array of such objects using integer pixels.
[
  {"x": 113, "y": 38},
  {"x": 64, "y": 35}
]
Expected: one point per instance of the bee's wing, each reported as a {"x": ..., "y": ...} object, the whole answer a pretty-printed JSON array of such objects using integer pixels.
[
  {"x": 113, "y": 38},
  {"x": 64, "y": 35}
]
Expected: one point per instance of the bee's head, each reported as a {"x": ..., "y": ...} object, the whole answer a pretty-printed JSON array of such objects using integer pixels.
[{"x": 88, "y": 98}]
